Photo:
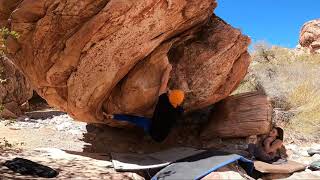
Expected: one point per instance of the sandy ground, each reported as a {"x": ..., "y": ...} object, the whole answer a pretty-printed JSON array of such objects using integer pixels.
[
  {"x": 54, "y": 140},
  {"x": 44, "y": 137},
  {"x": 77, "y": 151}
]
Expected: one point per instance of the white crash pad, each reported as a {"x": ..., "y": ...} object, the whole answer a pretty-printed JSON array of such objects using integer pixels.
[{"x": 127, "y": 162}]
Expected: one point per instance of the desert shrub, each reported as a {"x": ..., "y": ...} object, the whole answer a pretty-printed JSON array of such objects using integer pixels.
[
  {"x": 4, "y": 34},
  {"x": 306, "y": 99},
  {"x": 248, "y": 84},
  {"x": 290, "y": 78}
]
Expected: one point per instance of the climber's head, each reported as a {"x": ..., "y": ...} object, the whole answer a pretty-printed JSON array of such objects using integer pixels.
[
  {"x": 176, "y": 97},
  {"x": 276, "y": 132}
]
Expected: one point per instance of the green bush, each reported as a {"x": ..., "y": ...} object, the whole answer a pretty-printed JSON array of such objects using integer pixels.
[{"x": 4, "y": 34}]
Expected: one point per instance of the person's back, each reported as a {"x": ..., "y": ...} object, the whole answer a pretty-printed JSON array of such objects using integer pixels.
[{"x": 164, "y": 118}]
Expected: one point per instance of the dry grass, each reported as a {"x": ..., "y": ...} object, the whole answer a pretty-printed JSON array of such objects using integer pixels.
[
  {"x": 306, "y": 99},
  {"x": 291, "y": 79}
]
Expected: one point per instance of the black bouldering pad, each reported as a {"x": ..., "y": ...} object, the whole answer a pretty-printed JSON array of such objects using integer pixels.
[{"x": 27, "y": 167}]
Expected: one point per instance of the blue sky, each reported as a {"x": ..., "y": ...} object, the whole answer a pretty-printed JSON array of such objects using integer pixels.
[{"x": 277, "y": 22}]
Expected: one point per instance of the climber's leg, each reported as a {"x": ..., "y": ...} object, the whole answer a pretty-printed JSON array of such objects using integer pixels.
[{"x": 141, "y": 122}]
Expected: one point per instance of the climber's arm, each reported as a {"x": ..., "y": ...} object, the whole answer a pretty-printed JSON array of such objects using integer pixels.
[
  {"x": 277, "y": 144},
  {"x": 271, "y": 146},
  {"x": 165, "y": 79}
]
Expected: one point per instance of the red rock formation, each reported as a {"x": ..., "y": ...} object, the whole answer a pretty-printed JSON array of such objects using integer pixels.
[
  {"x": 241, "y": 115},
  {"x": 14, "y": 89},
  {"x": 6, "y": 7},
  {"x": 310, "y": 36},
  {"x": 90, "y": 56}
]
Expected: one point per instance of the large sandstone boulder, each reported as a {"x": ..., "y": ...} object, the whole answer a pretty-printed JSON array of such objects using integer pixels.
[
  {"x": 14, "y": 89},
  {"x": 310, "y": 36},
  {"x": 240, "y": 115},
  {"x": 6, "y": 7},
  {"x": 89, "y": 56}
]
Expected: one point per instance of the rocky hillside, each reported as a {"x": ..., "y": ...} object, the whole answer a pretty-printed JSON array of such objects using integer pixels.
[
  {"x": 290, "y": 78},
  {"x": 107, "y": 55}
]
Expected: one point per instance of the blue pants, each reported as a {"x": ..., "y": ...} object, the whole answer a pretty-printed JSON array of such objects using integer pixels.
[{"x": 141, "y": 122}]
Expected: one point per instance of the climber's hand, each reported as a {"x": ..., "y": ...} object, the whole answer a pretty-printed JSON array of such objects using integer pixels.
[
  {"x": 169, "y": 68},
  {"x": 108, "y": 116},
  {"x": 165, "y": 79}
]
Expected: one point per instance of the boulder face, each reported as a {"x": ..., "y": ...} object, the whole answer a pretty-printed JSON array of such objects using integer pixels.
[
  {"x": 92, "y": 56},
  {"x": 14, "y": 89},
  {"x": 310, "y": 36},
  {"x": 6, "y": 7},
  {"x": 240, "y": 115}
]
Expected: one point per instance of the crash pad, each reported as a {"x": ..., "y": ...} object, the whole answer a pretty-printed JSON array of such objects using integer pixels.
[
  {"x": 286, "y": 167},
  {"x": 27, "y": 167},
  {"x": 131, "y": 161},
  {"x": 199, "y": 166}
]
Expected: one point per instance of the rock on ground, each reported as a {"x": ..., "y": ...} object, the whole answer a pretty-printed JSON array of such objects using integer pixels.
[
  {"x": 305, "y": 175},
  {"x": 15, "y": 90},
  {"x": 310, "y": 36},
  {"x": 108, "y": 55},
  {"x": 299, "y": 153}
]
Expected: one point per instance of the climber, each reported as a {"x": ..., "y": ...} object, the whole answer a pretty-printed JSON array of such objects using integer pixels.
[
  {"x": 268, "y": 150},
  {"x": 168, "y": 110}
]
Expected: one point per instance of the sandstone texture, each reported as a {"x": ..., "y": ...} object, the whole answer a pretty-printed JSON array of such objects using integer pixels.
[
  {"x": 92, "y": 56},
  {"x": 310, "y": 36},
  {"x": 241, "y": 115},
  {"x": 6, "y": 7},
  {"x": 15, "y": 90}
]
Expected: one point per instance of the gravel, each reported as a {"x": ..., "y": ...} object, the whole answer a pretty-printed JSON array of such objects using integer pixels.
[{"x": 62, "y": 123}]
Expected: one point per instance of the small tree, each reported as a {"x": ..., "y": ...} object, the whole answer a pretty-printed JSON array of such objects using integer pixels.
[
  {"x": 4, "y": 34},
  {"x": 262, "y": 52}
]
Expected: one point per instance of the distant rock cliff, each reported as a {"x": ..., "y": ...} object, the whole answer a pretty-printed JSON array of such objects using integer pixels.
[
  {"x": 310, "y": 36},
  {"x": 89, "y": 56}
]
